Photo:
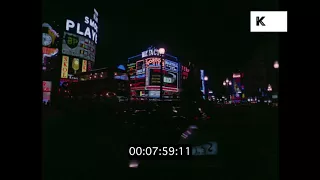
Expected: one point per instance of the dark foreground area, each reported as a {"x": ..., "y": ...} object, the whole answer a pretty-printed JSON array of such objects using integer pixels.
[{"x": 92, "y": 143}]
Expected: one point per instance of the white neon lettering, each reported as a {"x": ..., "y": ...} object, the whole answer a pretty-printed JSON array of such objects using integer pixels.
[{"x": 69, "y": 24}]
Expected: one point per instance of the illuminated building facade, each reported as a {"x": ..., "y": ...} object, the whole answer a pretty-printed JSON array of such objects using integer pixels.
[
  {"x": 145, "y": 75},
  {"x": 68, "y": 47},
  {"x": 237, "y": 88}
]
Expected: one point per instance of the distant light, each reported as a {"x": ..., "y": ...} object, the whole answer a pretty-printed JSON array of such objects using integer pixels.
[
  {"x": 133, "y": 164},
  {"x": 121, "y": 67},
  {"x": 230, "y": 83},
  {"x": 162, "y": 51},
  {"x": 224, "y": 83},
  {"x": 227, "y": 80},
  {"x": 236, "y": 75},
  {"x": 206, "y": 78},
  {"x": 276, "y": 65}
]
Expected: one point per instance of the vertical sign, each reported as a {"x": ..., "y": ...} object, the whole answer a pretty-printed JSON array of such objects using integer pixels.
[
  {"x": 84, "y": 66},
  {"x": 89, "y": 66},
  {"x": 64, "y": 67},
  {"x": 203, "y": 88}
]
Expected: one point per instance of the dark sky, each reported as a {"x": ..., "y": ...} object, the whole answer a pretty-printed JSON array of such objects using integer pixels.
[{"x": 213, "y": 34}]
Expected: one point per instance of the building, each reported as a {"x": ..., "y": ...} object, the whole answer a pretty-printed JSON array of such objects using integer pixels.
[
  {"x": 103, "y": 82},
  {"x": 237, "y": 88},
  {"x": 145, "y": 75},
  {"x": 68, "y": 48}
]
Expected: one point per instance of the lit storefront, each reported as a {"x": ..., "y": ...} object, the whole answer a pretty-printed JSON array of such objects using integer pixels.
[{"x": 145, "y": 75}]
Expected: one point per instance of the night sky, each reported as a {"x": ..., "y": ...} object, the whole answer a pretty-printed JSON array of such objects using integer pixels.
[{"x": 213, "y": 34}]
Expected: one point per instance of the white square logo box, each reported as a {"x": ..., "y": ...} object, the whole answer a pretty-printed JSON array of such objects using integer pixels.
[{"x": 268, "y": 21}]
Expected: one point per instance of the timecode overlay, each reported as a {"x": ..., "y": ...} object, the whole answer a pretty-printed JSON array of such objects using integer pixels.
[{"x": 160, "y": 152}]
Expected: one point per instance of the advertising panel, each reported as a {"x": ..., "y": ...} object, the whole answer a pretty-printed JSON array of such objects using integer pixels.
[
  {"x": 154, "y": 77},
  {"x": 170, "y": 79},
  {"x": 78, "y": 46},
  {"x": 151, "y": 51},
  {"x": 46, "y": 89},
  {"x": 236, "y": 87},
  {"x": 154, "y": 94},
  {"x": 171, "y": 66},
  {"x": 46, "y": 86},
  {"x": 203, "y": 89},
  {"x": 50, "y": 41},
  {"x": 184, "y": 72},
  {"x": 153, "y": 62},
  {"x": 87, "y": 28},
  {"x": 89, "y": 64},
  {"x": 131, "y": 69},
  {"x": 84, "y": 66},
  {"x": 65, "y": 67},
  {"x": 140, "y": 67}
]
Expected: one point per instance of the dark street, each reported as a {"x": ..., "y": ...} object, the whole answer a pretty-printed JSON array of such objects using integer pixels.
[{"x": 82, "y": 146}]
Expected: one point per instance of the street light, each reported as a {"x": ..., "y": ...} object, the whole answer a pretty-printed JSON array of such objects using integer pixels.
[
  {"x": 162, "y": 51},
  {"x": 227, "y": 83},
  {"x": 276, "y": 65},
  {"x": 206, "y": 78},
  {"x": 206, "y": 87},
  {"x": 269, "y": 88}
]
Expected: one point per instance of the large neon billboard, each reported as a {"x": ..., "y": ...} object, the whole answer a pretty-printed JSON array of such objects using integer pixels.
[{"x": 88, "y": 29}]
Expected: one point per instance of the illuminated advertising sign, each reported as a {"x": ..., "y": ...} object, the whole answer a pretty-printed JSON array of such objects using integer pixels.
[
  {"x": 46, "y": 86},
  {"x": 153, "y": 62},
  {"x": 76, "y": 63},
  {"x": 170, "y": 79},
  {"x": 236, "y": 75},
  {"x": 46, "y": 89},
  {"x": 185, "y": 72},
  {"x": 65, "y": 67},
  {"x": 154, "y": 77},
  {"x": 89, "y": 68},
  {"x": 88, "y": 29},
  {"x": 49, "y": 36},
  {"x": 137, "y": 74},
  {"x": 131, "y": 69},
  {"x": 84, "y": 66},
  {"x": 140, "y": 67},
  {"x": 203, "y": 89},
  {"x": 171, "y": 66},
  {"x": 236, "y": 87},
  {"x": 150, "y": 52},
  {"x": 154, "y": 94},
  {"x": 50, "y": 43},
  {"x": 78, "y": 46}
]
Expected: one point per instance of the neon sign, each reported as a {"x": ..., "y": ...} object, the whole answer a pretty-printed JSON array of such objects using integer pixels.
[
  {"x": 153, "y": 62},
  {"x": 236, "y": 75},
  {"x": 91, "y": 33},
  {"x": 150, "y": 52},
  {"x": 202, "y": 82},
  {"x": 171, "y": 66}
]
